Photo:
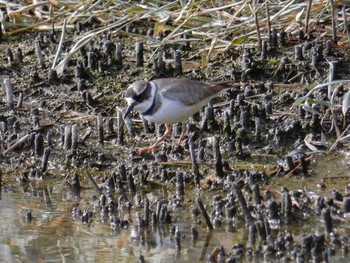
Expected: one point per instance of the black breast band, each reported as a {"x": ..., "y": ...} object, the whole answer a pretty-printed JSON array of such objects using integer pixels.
[{"x": 153, "y": 107}]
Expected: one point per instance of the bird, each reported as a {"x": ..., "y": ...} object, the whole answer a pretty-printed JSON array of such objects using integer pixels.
[{"x": 170, "y": 100}]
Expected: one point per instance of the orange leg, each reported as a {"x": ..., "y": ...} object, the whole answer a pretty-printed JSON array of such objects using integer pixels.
[
  {"x": 153, "y": 146},
  {"x": 183, "y": 132}
]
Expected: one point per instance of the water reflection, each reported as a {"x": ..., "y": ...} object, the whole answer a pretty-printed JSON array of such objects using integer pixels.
[{"x": 54, "y": 236}]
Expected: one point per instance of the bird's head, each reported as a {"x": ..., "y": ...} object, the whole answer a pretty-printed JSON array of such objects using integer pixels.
[{"x": 139, "y": 97}]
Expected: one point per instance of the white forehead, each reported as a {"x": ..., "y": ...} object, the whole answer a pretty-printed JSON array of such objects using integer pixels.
[{"x": 130, "y": 100}]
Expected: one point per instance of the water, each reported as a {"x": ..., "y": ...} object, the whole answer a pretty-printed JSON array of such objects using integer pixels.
[{"x": 54, "y": 235}]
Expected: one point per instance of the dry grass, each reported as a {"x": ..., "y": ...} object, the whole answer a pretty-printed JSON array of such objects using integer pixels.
[
  {"x": 218, "y": 24},
  {"x": 222, "y": 24}
]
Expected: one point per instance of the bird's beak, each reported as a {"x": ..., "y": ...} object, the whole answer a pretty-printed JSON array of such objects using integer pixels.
[{"x": 128, "y": 110}]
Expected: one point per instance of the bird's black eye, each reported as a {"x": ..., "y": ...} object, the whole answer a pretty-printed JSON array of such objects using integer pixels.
[{"x": 139, "y": 97}]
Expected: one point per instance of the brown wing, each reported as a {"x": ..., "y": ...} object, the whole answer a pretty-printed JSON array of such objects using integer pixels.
[{"x": 188, "y": 91}]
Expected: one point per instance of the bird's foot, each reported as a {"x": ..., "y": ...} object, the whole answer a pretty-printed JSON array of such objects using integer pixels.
[
  {"x": 150, "y": 149},
  {"x": 153, "y": 146},
  {"x": 180, "y": 141},
  {"x": 183, "y": 133}
]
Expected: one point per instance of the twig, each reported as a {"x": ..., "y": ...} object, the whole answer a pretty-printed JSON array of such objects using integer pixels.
[
  {"x": 73, "y": 190},
  {"x": 15, "y": 145},
  {"x": 307, "y": 18},
  {"x": 268, "y": 21},
  {"x": 194, "y": 162},
  {"x": 339, "y": 138},
  {"x": 60, "y": 44},
  {"x": 204, "y": 213},
  {"x": 346, "y": 25},
  {"x": 334, "y": 22},
  {"x": 257, "y": 24},
  {"x": 93, "y": 182}
]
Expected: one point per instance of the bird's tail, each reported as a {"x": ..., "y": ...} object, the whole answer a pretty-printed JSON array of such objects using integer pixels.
[{"x": 225, "y": 85}]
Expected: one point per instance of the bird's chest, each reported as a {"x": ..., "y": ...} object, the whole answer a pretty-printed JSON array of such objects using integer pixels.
[{"x": 171, "y": 111}]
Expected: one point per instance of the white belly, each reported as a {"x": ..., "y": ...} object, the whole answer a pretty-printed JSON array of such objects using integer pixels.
[{"x": 174, "y": 111}]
